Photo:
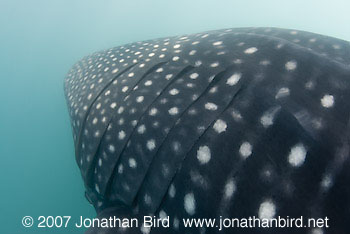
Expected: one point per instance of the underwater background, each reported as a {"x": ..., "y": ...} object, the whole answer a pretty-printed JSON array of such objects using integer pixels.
[{"x": 41, "y": 39}]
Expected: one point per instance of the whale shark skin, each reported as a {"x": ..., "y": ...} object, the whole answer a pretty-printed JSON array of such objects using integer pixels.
[{"x": 228, "y": 123}]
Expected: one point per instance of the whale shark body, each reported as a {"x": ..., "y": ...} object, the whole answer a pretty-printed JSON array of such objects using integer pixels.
[{"x": 229, "y": 123}]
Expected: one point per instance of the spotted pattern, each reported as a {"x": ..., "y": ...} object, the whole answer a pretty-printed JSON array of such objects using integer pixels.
[{"x": 254, "y": 120}]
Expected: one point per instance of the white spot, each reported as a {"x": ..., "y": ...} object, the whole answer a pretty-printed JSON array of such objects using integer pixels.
[
  {"x": 190, "y": 85},
  {"x": 317, "y": 231},
  {"x": 176, "y": 146},
  {"x": 109, "y": 127},
  {"x": 160, "y": 70},
  {"x": 100, "y": 162},
  {"x": 151, "y": 54},
  {"x": 238, "y": 61},
  {"x": 203, "y": 154},
  {"x": 297, "y": 155},
  {"x": 134, "y": 122},
  {"x": 126, "y": 187},
  {"x": 139, "y": 99},
  {"x": 148, "y": 83},
  {"x": 121, "y": 135},
  {"x": 177, "y": 46},
  {"x": 230, "y": 188},
  {"x": 267, "y": 119},
  {"x": 94, "y": 121},
  {"x": 312, "y": 40},
  {"x": 172, "y": 191},
  {"x": 97, "y": 188},
  {"x": 251, "y": 50},
  {"x": 326, "y": 182},
  {"x": 220, "y": 126},
  {"x": 194, "y": 76},
  {"x": 279, "y": 46},
  {"x": 168, "y": 76},
  {"x": 120, "y": 169},
  {"x": 131, "y": 74},
  {"x": 215, "y": 64},
  {"x": 132, "y": 163},
  {"x": 163, "y": 100},
  {"x": 176, "y": 58},
  {"x": 151, "y": 144},
  {"x": 291, "y": 65},
  {"x": 198, "y": 179},
  {"x": 246, "y": 149},
  {"x": 98, "y": 106},
  {"x": 310, "y": 85},
  {"x": 265, "y": 62},
  {"x": 192, "y": 111},
  {"x": 282, "y": 92},
  {"x": 234, "y": 79},
  {"x": 176, "y": 223},
  {"x": 153, "y": 111},
  {"x": 165, "y": 170},
  {"x": 190, "y": 204},
  {"x": 145, "y": 230},
  {"x": 198, "y": 63},
  {"x": 147, "y": 199},
  {"x": 236, "y": 115},
  {"x": 141, "y": 129},
  {"x": 327, "y": 101},
  {"x": 125, "y": 88},
  {"x": 162, "y": 214},
  {"x": 192, "y": 52},
  {"x": 213, "y": 90},
  {"x": 115, "y": 71},
  {"x": 121, "y": 121},
  {"x": 217, "y": 43},
  {"x": 111, "y": 148},
  {"x": 211, "y": 106},
  {"x": 267, "y": 210},
  {"x": 173, "y": 111},
  {"x": 174, "y": 92},
  {"x": 120, "y": 110}
]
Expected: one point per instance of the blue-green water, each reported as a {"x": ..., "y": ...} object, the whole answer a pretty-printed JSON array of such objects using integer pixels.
[{"x": 41, "y": 39}]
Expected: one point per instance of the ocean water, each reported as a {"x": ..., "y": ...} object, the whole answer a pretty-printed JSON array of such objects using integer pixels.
[{"x": 40, "y": 40}]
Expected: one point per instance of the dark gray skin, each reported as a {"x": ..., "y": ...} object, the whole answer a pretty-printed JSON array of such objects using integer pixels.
[{"x": 234, "y": 123}]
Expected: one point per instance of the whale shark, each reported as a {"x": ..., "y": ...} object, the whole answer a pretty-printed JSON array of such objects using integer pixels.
[{"x": 231, "y": 123}]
